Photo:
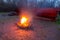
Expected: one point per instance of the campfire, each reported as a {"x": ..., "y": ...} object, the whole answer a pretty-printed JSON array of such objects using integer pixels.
[{"x": 25, "y": 20}]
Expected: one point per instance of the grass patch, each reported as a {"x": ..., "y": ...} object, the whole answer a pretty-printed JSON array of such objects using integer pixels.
[{"x": 58, "y": 20}]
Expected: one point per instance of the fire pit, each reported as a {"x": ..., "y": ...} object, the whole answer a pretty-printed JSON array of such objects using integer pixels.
[
  {"x": 24, "y": 24},
  {"x": 24, "y": 20}
]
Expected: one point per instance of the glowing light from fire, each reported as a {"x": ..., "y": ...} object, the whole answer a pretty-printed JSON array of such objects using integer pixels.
[
  {"x": 25, "y": 19},
  {"x": 24, "y": 22}
]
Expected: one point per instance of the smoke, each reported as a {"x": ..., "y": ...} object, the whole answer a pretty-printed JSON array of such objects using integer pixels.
[{"x": 27, "y": 13}]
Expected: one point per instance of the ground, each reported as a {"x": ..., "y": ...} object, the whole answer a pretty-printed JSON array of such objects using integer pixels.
[{"x": 41, "y": 30}]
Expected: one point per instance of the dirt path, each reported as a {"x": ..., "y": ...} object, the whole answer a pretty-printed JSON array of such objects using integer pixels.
[{"x": 42, "y": 30}]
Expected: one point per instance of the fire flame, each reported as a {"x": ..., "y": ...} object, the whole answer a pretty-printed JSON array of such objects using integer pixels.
[
  {"x": 25, "y": 19},
  {"x": 24, "y": 22}
]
